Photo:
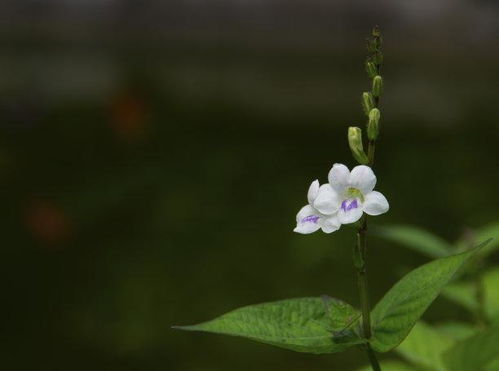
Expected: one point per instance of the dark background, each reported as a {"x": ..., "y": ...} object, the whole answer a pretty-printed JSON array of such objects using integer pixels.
[{"x": 153, "y": 155}]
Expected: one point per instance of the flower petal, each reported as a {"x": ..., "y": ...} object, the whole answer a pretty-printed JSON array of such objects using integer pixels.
[
  {"x": 313, "y": 191},
  {"x": 327, "y": 201},
  {"x": 362, "y": 178},
  {"x": 375, "y": 203},
  {"x": 304, "y": 212},
  {"x": 330, "y": 224},
  {"x": 307, "y": 220},
  {"x": 338, "y": 177},
  {"x": 350, "y": 211}
]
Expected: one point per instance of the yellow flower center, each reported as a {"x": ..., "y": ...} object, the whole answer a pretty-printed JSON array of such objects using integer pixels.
[{"x": 354, "y": 193}]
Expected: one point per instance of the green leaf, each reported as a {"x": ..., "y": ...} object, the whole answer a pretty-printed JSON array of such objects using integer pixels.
[
  {"x": 474, "y": 353},
  {"x": 391, "y": 366},
  {"x": 400, "y": 308},
  {"x": 493, "y": 366},
  {"x": 416, "y": 238},
  {"x": 464, "y": 293},
  {"x": 491, "y": 285},
  {"x": 424, "y": 346},
  {"x": 311, "y": 325},
  {"x": 456, "y": 330}
]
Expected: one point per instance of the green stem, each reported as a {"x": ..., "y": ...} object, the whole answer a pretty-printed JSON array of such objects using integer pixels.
[
  {"x": 370, "y": 153},
  {"x": 361, "y": 246},
  {"x": 372, "y": 358},
  {"x": 360, "y": 265}
]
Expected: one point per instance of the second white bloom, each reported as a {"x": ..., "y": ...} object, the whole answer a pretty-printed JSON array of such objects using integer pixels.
[{"x": 313, "y": 217}]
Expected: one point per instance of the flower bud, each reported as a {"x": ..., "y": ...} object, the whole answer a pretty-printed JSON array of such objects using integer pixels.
[
  {"x": 371, "y": 69},
  {"x": 367, "y": 102},
  {"x": 377, "y": 86},
  {"x": 373, "y": 124},
  {"x": 355, "y": 143}
]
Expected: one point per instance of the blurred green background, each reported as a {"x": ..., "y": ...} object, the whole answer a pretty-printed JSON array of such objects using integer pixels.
[{"x": 153, "y": 156}]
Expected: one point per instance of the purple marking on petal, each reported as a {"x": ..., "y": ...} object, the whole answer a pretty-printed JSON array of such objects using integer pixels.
[
  {"x": 353, "y": 205},
  {"x": 311, "y": 218},
  {"x": 348, "y": 205}
]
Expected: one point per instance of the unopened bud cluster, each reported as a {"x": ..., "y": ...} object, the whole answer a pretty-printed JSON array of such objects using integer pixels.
[{"x": 370, "y": 100}]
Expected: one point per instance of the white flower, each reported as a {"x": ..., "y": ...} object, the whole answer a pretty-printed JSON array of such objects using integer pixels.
[
  {"x": 352, "y": 193},
  {"x": 317, "y": 214}
]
